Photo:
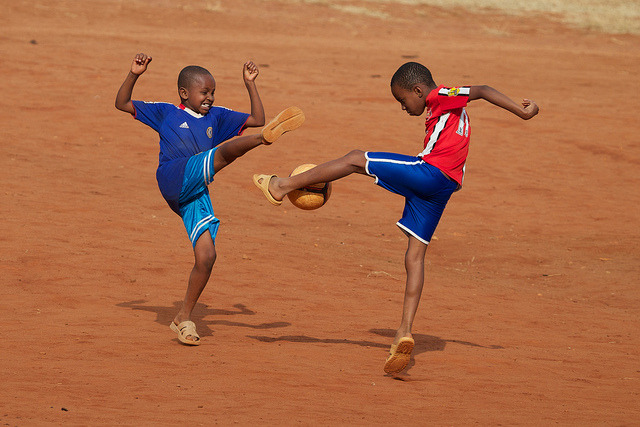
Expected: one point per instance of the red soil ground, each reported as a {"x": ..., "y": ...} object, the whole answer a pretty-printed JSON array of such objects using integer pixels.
[{"x": 530, "y": 313}]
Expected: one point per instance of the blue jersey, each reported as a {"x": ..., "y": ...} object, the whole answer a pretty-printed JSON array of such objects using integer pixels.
[{"x": 183, "y": 134}]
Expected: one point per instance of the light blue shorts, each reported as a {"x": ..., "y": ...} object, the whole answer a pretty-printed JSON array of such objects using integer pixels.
[
  {"x": 425, "y": 188},
  {"x": 195, "y": 204}
]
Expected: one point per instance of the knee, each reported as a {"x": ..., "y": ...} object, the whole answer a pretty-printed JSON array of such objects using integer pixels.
[
  {"x": 414, "y": 258},
  {"x": 356, "y": 158},
  {"x": 413, "y": 263},
  {"x": 205, "y": 258}
]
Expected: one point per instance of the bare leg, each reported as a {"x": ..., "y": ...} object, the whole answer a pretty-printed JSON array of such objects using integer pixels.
[
  {"x": 204, "y": 249},
  {"x": 414, "y": 265},
  {"x": 353, "y": 162},
  {"x": 205, "y": 257},
  {"x": 400, "y": 351},
  {"x": 231, "y": 150},
  {"x": 286, "y": 121}
]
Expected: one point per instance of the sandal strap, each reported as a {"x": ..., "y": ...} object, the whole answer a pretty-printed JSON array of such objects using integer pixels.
[{"x": 188, "y": 328}]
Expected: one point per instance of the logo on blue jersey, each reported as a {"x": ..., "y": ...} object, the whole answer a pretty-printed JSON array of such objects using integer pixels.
[{"x": 210, "y": 132}]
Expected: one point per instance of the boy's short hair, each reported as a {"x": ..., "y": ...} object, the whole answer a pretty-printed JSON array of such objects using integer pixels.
[
  {"x": 189, "y": 73},
  {"x": 411, "y": 74}
]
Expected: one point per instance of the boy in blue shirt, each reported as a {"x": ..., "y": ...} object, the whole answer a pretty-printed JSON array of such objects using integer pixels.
[{"x": 191, "y": 154}]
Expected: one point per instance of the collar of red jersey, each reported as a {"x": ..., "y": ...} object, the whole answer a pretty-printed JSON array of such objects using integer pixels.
[{"x": 190, "y": 111}]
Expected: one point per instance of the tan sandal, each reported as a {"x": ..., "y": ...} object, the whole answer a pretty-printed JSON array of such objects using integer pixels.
[
  {"x": 288, "y": 120},
  {"x": 262, "y": 182},
  {"x": 185, "y": 330},
  {"x": 399, "y": 356}
]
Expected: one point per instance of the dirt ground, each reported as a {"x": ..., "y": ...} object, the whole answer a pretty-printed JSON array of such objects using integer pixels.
[{"x": 531, "y": 308}]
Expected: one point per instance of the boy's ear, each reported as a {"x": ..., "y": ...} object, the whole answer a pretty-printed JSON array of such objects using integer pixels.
[
  {"x": 418, "y": 91},
  {"x": 184, "y": 94}
]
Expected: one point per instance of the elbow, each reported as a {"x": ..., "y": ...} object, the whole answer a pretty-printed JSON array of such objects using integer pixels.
[
  {"x": 259, "y": 120},
  {"x": 127, "y": 107},
  {"x": 484, "y": 90},
  {"x": 479, "y": 92},
  {"x": 254, "y": 122}
]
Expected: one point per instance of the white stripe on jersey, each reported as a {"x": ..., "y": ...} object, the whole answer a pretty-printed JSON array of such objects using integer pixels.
[
  {"x": 451, "y": 91},
  {"x": 435, "y": 134},
  {"x": 463, "y": 124},
  {"x": 191, "y": 112}
]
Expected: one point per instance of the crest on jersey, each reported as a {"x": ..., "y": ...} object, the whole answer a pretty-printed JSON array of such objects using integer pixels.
[
  {"x": 209, "y": 131},
  {"x": 454, "y": 91}
]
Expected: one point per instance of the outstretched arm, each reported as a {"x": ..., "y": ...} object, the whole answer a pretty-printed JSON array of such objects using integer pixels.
[
  {"x": 123, "y": 98},
  {"x": 250, "y": 72},
  {"x": 527, "y": 110}
]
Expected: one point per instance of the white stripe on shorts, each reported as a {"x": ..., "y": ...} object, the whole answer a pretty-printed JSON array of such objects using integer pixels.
[
  {"x": 204, "y": 221},
  {"x": 408, "y": 231},
  {"x": 207, "y": 168},
  {"x": 398, "y": 162}
]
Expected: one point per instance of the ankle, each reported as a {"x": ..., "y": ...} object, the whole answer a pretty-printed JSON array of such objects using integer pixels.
[
  {"x": 403, "y": 332},
  {"x": 275, "y": 188},
  {"x": 181, "y": 317}
]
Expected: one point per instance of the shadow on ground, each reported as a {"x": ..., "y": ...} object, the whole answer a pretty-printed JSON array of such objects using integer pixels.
[{"x": 202, "y": 312}]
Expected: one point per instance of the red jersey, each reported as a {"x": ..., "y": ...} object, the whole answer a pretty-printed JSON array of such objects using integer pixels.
[{"x": 446, "y": 144}]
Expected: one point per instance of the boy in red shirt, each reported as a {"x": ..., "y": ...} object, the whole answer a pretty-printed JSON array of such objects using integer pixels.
[{"x": 426, "y": 180}]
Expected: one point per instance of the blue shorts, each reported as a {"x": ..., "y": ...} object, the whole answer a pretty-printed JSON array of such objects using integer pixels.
[
  {"x": 425, "y": 188},
  {"x": 196, "y": 210}
]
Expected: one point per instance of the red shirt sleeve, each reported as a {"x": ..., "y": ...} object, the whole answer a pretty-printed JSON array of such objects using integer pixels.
[{"x": 451, "y": 98}]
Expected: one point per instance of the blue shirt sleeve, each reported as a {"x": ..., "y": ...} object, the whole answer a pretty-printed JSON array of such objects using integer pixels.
[
  {"x": 230, "y": 124},
  {"x": 151, "y": 114}
]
